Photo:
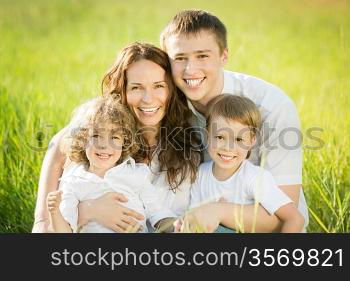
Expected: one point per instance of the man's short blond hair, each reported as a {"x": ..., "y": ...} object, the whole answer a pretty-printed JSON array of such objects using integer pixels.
[{"x": 191, "y": 22}]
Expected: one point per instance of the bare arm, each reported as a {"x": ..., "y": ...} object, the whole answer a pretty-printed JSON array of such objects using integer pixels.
[
  {"x": 248, "y": 218},
  {"x": 245, "y": 218},
  {"x": 293, "y": 192},
  {"x": 292, "y": 220},
  {"x": 57, "y": 223},
  {"x": 51, "y": 171},
  {"x": 108, "y": 211}
]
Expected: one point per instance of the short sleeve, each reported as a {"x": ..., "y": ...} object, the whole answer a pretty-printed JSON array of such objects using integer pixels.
[
  {"x": 281, "y": 151},
  {"x": 69, "y": 204},
  {"x": 264, "y": 190}
]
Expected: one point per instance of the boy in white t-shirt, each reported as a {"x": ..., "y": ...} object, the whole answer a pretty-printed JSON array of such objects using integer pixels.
[
  {"x": 100, "y": 147},
  {"x": 233, "y": 123}
]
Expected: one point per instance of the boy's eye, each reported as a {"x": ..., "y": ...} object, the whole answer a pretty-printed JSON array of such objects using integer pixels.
[
  {"x": 158, "y": 86},
  {"x": 202, "y": 56},
  {"x": 239, "y": 139},
  {"x": 134, "y": 88},
  {"x": 95, "y": 136},
  {"x": 116, "y": 137},
  {"x": 219, "y": 137}
]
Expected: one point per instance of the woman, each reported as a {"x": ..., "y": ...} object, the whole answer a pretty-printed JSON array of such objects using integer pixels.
[{"x": 141, "y": 77}]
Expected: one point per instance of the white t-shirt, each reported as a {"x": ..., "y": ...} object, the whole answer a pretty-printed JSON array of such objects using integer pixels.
[
  {"x": 247, "y": 185},
  {"x": 129, "y": 178},
  {"x": 278, "y": 148}
]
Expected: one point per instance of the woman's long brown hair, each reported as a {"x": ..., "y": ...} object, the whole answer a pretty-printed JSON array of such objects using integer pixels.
[{"x": 178, "y": 143}]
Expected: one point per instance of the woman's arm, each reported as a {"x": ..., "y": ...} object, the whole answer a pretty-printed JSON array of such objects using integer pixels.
[
  {"x": 108, "y": 211},
  {"x": 51, "y": 170}
]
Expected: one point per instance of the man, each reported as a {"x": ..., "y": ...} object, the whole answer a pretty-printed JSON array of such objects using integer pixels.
[{"x": 196, "y": 43}]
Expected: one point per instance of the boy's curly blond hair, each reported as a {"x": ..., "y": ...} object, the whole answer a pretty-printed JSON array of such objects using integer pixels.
[{"x": 92, "y": 115}]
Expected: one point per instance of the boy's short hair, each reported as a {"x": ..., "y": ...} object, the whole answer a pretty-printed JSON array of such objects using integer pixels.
[
  {"x": 235, "y": 108},
  {"x": 92, "y": 115},
  {"x": 191, "y": 22}
]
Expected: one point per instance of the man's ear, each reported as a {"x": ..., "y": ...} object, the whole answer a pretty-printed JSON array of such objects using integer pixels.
[{"x": 224, "y": 56}]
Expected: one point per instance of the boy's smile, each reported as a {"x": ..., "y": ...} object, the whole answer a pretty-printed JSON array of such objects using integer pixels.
[
  {"x": 197, "y": 65},
  {"x": 226, "y": 158},
  {"x": 104, "y": 156},
  {"x": 228, "y": 145},
  {"x": 104, "y": 148}
]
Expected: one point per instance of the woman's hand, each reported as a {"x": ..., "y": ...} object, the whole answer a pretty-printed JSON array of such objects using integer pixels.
[{"x": 108, "y": 211}]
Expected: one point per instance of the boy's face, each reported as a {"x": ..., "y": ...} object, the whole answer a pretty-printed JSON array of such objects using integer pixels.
[
  {"x": 228, "y": 144},
  {"x": 104, "y": 148},
  {"x": 197, "y": 65}
]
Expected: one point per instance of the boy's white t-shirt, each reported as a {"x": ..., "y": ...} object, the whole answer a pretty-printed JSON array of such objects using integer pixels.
[
  {"x": 279, "y": 147},
  {"x": 129, "y": 178},
  {"x": 249, "y": 184}
]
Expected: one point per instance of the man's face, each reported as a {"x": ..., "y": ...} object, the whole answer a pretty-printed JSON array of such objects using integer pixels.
[{"x": 197, "y": 65}]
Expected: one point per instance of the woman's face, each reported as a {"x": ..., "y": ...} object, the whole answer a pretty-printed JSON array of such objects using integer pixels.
[{"x": 147, "y": 92}]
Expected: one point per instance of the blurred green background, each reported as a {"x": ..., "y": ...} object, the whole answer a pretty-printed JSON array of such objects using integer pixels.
[{"x": 53, "y": 55}]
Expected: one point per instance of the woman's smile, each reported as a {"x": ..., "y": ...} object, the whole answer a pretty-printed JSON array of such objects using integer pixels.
[{"x": 147, "y": 92}]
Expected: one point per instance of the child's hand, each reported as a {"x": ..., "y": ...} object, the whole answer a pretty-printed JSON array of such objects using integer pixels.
[
  {"x": 53, "y": 201},
  {"x": 201, "y": 219},
  {"x": 191, "y": 224},
  {"x": 177, "y": 225}
]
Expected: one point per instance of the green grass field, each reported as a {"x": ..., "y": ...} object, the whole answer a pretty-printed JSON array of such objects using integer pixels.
[{"x": 53, "y": 55}]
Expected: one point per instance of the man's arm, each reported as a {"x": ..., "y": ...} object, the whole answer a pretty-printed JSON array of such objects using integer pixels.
[{"x": 282, "y": 152}]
